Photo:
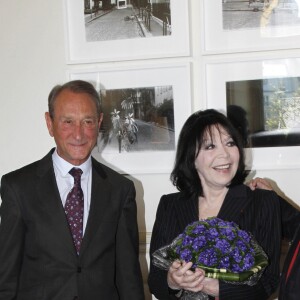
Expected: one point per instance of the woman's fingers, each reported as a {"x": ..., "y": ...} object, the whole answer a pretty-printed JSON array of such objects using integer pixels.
[
  {"x": 183, "y": 268},
  {"x": 181, "y": 276}
]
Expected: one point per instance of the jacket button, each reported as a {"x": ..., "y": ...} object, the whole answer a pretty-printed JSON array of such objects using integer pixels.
[
  {"x": 75, "y": 298},
  {"x": 78, "y": 271}
]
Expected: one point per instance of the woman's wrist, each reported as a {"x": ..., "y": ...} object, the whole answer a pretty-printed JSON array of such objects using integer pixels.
[{"x": 176, "y": 292}]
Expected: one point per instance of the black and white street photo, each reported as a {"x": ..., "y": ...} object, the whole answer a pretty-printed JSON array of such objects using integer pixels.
[
  {"x": 137, "y": 119},
  {"x": 126, "y": 19}
]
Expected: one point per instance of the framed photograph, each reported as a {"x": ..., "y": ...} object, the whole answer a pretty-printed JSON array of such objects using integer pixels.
[
  {"x": 239, "y": 26},
  {"x": 114, "y": 30},
  {"x": 262, "y": 99},
  {"x": 143, "y": 112}
]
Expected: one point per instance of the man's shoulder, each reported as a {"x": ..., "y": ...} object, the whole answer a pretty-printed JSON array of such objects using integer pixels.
[
  {"x": 108, "y": 173},
  {"x": 29, "y": 169}
]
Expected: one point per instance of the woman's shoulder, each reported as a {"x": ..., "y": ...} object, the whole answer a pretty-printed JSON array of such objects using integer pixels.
[
  {"x": 170, "y": 199},
  {"x": 264, "y": 198},
  {"x": 244, "y": 190},
  {"x": 261, "y": 192},
  {"x": 259, "y": 196},
  {"x": 171, "y": 196},
  {"x": 176, "y": 199}
]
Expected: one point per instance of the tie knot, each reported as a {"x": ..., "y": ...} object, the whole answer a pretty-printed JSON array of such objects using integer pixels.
[{"x": 76, "y": 173}]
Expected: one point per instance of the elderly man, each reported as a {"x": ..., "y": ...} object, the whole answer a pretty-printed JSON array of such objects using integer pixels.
[{"x": 68, "y": 223}]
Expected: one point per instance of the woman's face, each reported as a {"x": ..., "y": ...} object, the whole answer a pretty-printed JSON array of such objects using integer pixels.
[{"x": 218, "y": 159}]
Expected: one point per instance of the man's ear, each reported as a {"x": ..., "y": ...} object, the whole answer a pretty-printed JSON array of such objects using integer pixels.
[
  {"x": 49, "y": 123},
  {"x": 100, "y": 120}
]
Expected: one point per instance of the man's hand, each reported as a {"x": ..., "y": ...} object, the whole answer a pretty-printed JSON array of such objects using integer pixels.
[{"x": 259, "y": 183}]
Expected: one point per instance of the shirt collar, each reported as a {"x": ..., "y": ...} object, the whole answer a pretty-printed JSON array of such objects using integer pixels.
[{"x": 64, "y": 167}]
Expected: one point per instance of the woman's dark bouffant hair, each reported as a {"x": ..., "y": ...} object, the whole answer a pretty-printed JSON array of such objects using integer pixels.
[{"x": 184, "y": 175}]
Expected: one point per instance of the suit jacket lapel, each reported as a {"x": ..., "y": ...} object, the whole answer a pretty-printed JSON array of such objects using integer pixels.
[
  {"x": 234, "y": 203},
  {"x": 50, "y": 198},
  {"x": 100, "y": 197},
  {"x": 186, "y": 210}
]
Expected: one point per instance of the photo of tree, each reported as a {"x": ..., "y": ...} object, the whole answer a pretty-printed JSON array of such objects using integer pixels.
[
  {"x": 137, "y": 119},
  {"x": 265, "y": 111}
]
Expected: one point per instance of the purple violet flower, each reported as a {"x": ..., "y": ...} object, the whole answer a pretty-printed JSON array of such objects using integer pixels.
[
  {"x": 223, "y": 246},
  {"x": 208, "y": 258},
  {"x": 216, "y": 243},
  {"x": 186, "y": 255}
]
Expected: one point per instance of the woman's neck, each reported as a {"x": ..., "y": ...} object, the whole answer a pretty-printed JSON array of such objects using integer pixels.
[{"x": 210, "y": 204}]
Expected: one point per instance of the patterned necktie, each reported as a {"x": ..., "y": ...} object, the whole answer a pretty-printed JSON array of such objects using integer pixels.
[{"x": 74, "y": 208}]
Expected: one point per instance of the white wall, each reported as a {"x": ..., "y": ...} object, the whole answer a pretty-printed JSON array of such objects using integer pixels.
[{"x": 32, "y": 61}]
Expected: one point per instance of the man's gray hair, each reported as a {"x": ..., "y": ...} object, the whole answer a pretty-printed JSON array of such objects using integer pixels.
[{"x": 75, "y": 86}]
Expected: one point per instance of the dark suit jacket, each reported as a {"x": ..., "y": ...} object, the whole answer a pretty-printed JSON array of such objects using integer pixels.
[
  {"x": 37, "y": 255},
  {"x": 290, "y": 286},
  {"x": 255, "y": 211}
]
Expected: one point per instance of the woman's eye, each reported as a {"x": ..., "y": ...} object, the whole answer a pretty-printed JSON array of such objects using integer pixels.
[
  {"x": 231, "y": 144},
  {"x": 210, "y": 146}
]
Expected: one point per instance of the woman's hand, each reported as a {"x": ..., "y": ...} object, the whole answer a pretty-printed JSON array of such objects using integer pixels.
[
  {"x": 211, "y": 286},
  {"x": 180, "y": 276}
]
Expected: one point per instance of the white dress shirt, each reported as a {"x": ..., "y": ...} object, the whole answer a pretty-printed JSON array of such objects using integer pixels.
[{"x": 65, "y": 181}]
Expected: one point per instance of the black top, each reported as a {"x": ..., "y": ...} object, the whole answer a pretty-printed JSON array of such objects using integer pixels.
[
  {"x": 258, "y": 212},
  {"x": 289, "y": 285}
]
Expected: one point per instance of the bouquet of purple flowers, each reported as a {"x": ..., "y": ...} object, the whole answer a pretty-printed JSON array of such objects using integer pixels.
[{"x": 220, "y": 248}]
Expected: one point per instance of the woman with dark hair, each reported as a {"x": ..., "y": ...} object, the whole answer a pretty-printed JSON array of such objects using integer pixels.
[{"x": 209, "y": 173}]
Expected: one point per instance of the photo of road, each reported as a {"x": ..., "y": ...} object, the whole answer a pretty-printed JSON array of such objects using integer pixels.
[
  {"x": 128, "y": 22},
  {"x": 139, "y": 119}
]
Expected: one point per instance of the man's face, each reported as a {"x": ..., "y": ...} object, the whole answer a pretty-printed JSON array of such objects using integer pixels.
[{"x": 75, "y": 126}]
